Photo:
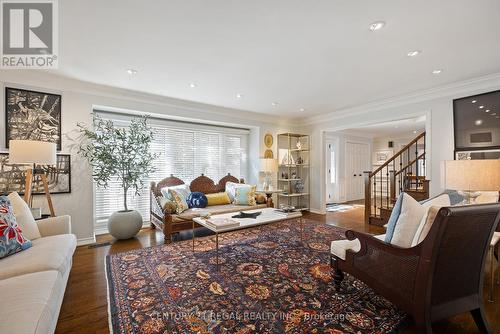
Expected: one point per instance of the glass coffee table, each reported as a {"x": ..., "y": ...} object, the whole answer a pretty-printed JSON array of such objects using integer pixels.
[{"x": 267, "y": 216}]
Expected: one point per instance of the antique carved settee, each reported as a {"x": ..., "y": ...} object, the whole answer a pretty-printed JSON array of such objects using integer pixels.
[{"x": 171, "y": 223}]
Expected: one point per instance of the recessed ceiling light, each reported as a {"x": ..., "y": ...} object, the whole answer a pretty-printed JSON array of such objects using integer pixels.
[
  {"x": 192, "y": 85},
  {"x": 376, "y": 25},
  {"x": 131, "y": 71},
  {"x": 274, "y": 104},
  {"x": 437, "y": 71},
  {"x": 302, "y": 109},
  {"x": 413, "y": 53},
  {"x": 487, "y": 110},
  {"x": 478, "y": 122},
  {"x": 481, "y": 107},
  {"x": 239, "y": 96},
  {"x": 414, "y": 131},
  {"x": 494, "y": 114},
  {"x": 474, "y": 101}
]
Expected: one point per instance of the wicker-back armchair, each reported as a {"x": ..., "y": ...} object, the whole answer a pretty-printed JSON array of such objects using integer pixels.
[{"x": 440, "y": 277}]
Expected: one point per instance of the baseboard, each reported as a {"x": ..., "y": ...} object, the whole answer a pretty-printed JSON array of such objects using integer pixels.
[
  {"x": 318, "y": 212},
  {"x": 104, "y": 230},
  {"x": 85, "y": 241}
]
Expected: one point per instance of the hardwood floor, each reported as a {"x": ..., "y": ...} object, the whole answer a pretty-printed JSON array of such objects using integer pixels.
[{"x": 84, "y": 309}]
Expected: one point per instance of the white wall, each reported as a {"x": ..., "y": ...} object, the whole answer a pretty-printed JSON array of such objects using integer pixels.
[
  {"x": 78, "y": 101},
  {"x": 436, "y": 104}
]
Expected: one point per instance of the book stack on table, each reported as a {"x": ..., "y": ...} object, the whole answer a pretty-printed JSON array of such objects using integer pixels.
[{"x": 222, "y": 223}]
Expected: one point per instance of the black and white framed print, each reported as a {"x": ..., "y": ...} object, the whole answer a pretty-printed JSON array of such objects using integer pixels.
[
  {"x": 31, "y": 115},
  {"x": 12, "y": 176}
]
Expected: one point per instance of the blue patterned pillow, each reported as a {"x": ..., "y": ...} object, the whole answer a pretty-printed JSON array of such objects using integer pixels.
[
  {"x": 11, "y": 236},
  {"x": 197, "y": 200}
]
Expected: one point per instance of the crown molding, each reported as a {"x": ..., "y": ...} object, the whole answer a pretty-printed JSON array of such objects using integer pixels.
[
  {"x": 66, "y": 84},
  {"x": 457, "y": 89}
]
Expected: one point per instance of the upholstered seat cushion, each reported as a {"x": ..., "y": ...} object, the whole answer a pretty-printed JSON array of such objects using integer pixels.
[
  {"x": 495, "y": 239},
  {"x": 31, "y": 302},
  {"x": 214, "y": 210},
  {"x": 48, "y": 253},
  {"x": 340, "y": 247}
]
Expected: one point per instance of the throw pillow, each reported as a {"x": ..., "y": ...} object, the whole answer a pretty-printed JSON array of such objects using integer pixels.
[
  {"x": 218, "y": 199},
  {"x": 179, "y": 199},
  {"x": 183, "y": 188},
  {"x": 11, "y": 236},
  {"x": 167, "y": 205},
  {"x": 425, "y": 225},
  {"x": 245, "y": 196},
  {"x": 409, "y": 213},
  {"x": 24, "y": 217},
  {"x": 197, "y": 200},
  {"x": 232, "y": 186}
]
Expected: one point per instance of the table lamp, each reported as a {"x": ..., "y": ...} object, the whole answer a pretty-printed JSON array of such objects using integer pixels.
[
  {"x": 268, "y": 166},
  {"x": 470, "y": 177},
  {"x": 34, "y": 153}
]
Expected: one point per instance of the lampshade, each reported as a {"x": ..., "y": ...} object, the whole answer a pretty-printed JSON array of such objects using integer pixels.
[
  {"x": 32, "y": 152},
  {"x": 473, "y": 175},
  {"x": 268, "y": 165}
]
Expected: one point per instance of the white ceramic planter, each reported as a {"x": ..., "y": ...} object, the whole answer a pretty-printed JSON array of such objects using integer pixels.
[{"x": 124, "y": 224}]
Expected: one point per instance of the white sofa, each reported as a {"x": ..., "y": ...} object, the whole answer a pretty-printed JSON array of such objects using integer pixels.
[{"x": 33, "y": 281}]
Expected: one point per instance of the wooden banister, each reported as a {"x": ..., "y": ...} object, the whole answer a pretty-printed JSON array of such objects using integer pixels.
[
  {"x": 400, "y": 152},
  {"x": 394, "y": 176}
]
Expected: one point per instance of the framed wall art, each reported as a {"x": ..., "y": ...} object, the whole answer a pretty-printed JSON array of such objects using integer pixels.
[
  {"x": 12, "y": 176},
  {"x": 32, "y": 115}
]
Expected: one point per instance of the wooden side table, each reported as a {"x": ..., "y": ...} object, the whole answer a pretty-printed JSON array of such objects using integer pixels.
[{"x": 269, "y": 195}]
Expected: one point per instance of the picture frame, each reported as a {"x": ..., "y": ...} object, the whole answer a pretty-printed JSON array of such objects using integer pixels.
[
  {"x": 12, "y": 176},
  {"x": 381, "y": 156},
  {"x": 32, "y": 115}
]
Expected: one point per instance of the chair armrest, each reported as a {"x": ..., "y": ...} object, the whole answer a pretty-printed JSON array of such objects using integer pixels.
[
  {"x": 369, "y": 240},
  {"x": 54, "y": 225},
  {"x": 155, "y": 206}
]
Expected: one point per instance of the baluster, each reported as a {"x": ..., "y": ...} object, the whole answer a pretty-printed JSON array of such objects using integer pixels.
[
  {"x": 381, "y": 186},
  {"x": 375, "y": 204},
  {"x": 387, "y": 186},
  {"x": 416, "y": 166}
]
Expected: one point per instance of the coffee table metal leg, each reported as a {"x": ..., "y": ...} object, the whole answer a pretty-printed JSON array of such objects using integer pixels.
[
  {"x": 217, "y": 250},
  {"x": 193, "y": 235}
]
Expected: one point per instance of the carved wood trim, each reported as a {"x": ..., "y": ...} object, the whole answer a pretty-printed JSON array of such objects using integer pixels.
[{"x": 166, "y": 182}]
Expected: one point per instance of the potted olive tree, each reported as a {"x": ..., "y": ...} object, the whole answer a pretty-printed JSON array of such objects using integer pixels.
[{"x": 123, "y": 154}]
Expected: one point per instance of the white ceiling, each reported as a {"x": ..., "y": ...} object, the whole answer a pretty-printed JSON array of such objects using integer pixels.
[
  {"x": 395, "y": 129},
  {"x": 318, "y": 55}
]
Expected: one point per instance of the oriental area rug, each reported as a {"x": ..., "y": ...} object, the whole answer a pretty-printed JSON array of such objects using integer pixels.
[{"x": 271, "y": 279}]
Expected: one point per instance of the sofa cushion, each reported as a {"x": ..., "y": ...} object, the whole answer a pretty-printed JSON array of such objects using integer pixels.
[
  {"x": 197, "y": 200},
  {"x": 11, "y": 236},
  {"x": 48, "y": 253},
  {"x": 221, "y": 198},
  {"x": 180, "y": 200},
  {"x": 31, "y": 302},
  {"x": 24, "y": 217},
  {"x": 404, "y": 221},
  {"x": 182, "y": 188},
  {"x": 231, "y": 188},
  {"x": 425, "y": 225},
  {"x": 245, "y": 196},
  {"x": 214, "y": 210}
]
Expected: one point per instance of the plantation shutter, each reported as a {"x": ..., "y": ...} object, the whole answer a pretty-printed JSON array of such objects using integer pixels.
[{"x": 185, "y": 150}]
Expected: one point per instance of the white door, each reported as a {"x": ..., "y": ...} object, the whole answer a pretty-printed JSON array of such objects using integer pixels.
[
  {"x": 331, "y": 171},
  {"x": 357, "y": 158}
]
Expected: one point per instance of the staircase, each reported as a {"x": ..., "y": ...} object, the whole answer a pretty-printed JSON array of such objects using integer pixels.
[{"x": 405, "y": 171}]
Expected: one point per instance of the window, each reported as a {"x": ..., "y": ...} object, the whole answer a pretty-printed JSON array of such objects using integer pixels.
[{"x": 185, "y": 150}]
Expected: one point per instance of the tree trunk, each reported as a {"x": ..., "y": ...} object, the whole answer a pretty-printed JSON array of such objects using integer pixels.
[{"x": 125, "y": 191}]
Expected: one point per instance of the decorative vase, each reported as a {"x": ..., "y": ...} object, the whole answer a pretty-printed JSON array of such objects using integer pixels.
[
  {"x": 299, "y": 186},
  {"x": 124, "y": 224}
]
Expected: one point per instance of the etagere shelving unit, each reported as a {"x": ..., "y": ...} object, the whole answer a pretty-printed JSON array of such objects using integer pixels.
[{"x": 293, "y": 172}]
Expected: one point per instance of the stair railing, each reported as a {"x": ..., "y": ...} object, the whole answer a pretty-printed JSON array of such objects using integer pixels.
[{"x": 404, "y": 171}]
